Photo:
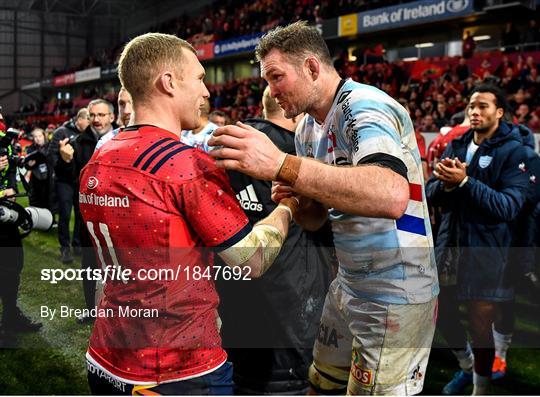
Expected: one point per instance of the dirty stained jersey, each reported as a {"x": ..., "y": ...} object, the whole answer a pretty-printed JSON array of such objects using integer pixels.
[{"x": 385, "y": 265}]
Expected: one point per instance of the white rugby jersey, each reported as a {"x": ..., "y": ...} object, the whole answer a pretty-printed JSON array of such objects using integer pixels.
[
  {"x": 379, "y": 259},
  {"x": 200, "y": 139}
]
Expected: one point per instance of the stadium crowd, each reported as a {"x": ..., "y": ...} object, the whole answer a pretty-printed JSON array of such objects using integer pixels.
[
  {"x": 433, "y": 88},
  {"x": 227, "y": 19},
  {"x": 437, "y": 92}
]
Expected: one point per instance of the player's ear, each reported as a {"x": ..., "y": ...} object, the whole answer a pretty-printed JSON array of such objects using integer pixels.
[
  {"x": 313, "y": 67},
  {"x": 499, "y": 113},
  {"x": 165, "y": 82}
]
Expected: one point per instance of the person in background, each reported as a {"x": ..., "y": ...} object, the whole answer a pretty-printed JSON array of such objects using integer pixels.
[
  {"x": 38, "y": 176},
  {"x": 481, "y": 186},
  {"x": 531, "y": 37},
  {"x": 125, "y": 107},
  {"x": 468, "y": 45},
  {"x": 510, "y": 37},
  {"x": 12, "y": 254},
  {"x": 218, "y": 117},
  {"x": 125, "y": 110},
  {"x": 270, "y": 340},
  {"x": 76, "y": 155},
  {"x": 65, "y": 185},
  {"x": 524, "y": 258},
  {"x": 49, "y": 131}
]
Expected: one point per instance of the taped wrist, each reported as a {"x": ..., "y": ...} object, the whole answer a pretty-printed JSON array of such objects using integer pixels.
[
  {"x": 291, "y": 204},
  {"x": 263, "y": 240},
  {"x": 289, "y": 170},
  {"x": 326, "y": 379}
]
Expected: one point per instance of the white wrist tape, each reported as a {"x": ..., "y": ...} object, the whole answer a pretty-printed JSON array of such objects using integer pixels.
[{"x": 263, "y": 240}]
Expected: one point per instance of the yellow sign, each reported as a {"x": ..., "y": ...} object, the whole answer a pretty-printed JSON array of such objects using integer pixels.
[{"x": 348, "y": 25}]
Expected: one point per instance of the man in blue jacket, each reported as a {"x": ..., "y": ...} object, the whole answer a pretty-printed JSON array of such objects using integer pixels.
[{"x": 481, "y": 186}]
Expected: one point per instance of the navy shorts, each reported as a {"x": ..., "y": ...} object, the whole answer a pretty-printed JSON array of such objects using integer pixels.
[
  {"x": 218, "y": 382},
  {"x": 486, "y": 274}
]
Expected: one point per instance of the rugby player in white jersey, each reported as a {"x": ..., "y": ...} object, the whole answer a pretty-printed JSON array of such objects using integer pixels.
[{"x": 358, "y": 164}]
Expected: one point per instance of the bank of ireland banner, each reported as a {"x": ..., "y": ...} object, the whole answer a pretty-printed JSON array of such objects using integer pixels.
[{"x": 413, "y": 14}]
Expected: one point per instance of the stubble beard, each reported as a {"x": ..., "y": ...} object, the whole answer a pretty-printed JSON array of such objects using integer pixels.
[
  {"x": 485, "y": 129},
  {"x": 306, "y": 104},
  {"x": 481, "y": 129}
]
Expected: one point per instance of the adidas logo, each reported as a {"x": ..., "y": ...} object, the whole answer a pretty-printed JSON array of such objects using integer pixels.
[{"x": 248, "y": 199}]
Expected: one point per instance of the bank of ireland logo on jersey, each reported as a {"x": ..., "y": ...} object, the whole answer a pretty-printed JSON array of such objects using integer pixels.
[
  {"x": 456, "y": 5},
  {"x": 92, "y": 183},
  {"x": 484, "y": 161}
]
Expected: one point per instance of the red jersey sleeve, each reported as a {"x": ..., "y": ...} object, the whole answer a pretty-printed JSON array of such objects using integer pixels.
[
  {"x": 212, "y": 210},
  {"x": 421, "y": 142}
]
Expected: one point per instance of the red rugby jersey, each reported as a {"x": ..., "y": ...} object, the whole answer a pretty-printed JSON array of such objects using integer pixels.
[{"x": 146, "y": 199}]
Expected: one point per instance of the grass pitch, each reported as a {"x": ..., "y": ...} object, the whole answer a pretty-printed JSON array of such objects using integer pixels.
[{"x": 52, "y": 361}]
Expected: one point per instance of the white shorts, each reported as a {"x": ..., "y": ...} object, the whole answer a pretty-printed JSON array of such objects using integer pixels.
[{"x": 390, "y": 344}]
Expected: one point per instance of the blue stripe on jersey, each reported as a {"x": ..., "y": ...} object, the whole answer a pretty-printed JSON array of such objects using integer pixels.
[
  {"x": 158, "y": 152},
  {"x": 411, "y": 224},
  {"x": 147, "y": 151},
  {"x": 373, "y": 132},
  {"x": 169, "y": 155},
  {"x": 382, "y": 122},
  {"x": 354, "y": 242}
]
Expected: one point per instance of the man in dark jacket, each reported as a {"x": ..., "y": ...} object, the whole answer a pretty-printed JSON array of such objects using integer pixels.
[
  {"x": 12, "y": 254},
  {"x": 101, "y": 113},
  {"x": 39, "y": 173},
  {"x": 481, "y": 186},
  {"x": 523, "y": 256},
  {"x": 64, "y": 182},
  {"x": 270, "y": 340}
]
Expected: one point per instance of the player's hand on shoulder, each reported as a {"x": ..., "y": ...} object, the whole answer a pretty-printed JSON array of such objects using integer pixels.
[{"x": 245, "y": 149}]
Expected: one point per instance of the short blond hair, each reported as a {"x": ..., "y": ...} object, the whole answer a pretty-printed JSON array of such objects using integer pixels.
[{"x": 144, "y": 57}]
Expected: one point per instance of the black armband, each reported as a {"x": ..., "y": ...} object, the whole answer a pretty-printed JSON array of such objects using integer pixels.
[{"x": 387, "y": 161}]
